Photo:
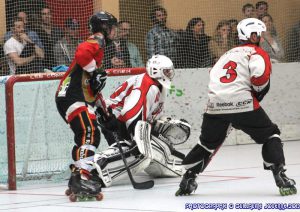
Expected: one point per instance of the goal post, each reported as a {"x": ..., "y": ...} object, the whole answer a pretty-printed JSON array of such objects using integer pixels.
[{"x": 10, "y": 111}]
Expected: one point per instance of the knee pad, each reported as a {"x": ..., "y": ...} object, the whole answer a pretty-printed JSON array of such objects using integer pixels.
[{"x": 272, "y": 151}]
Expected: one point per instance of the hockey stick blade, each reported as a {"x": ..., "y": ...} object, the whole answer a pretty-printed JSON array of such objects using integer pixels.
[{"x": 136, "y": 185}]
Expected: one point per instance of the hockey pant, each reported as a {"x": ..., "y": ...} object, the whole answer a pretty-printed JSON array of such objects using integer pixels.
[
  {"x": 82, "y": 120},
  {"x": 151, "y": 155},
  {"x": 215, "y": 129}
]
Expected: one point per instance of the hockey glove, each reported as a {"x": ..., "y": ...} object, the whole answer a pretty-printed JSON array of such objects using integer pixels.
[
  {"x": 98, "y": 81},
  {"x": 261, "y": 94},
  {"x": 110, "y": 122}
]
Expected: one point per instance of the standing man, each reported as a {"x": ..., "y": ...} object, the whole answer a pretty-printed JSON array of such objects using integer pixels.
[
  {"x": 238, "y": 82},
  {"x": 160, "y": 39},
  {"x": 75, "y": 99}
]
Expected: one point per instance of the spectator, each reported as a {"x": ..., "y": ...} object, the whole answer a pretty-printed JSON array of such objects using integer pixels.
[
  {"x": 49, "y": 35},
  {"x": 233, "y": 32},
  {"x": 31, "y": 34},
  {"x": 270, "y": 42},
  {"x": 193, "y": 46},
  {"x": 248, "y": 10},
  {"x": 160, "y": 39},
  {"x": 134, "y": 53},
  {"x": 221, "y": 41},
  {"x": 65, "y": 48},
  {"x": 116, "y": 53},
  {"x": 23, "y": 55},
  {"x": 3, "y": 64},
  {"x": 261, "y": 8},
  {"x": 293, "y": 44}
]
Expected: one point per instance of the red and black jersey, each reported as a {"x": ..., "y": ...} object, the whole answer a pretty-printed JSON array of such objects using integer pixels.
[{"x": 74, "y": 86}]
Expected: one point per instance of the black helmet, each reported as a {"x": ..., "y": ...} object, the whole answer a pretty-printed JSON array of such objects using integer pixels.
[{"x": 102, "y": 22}]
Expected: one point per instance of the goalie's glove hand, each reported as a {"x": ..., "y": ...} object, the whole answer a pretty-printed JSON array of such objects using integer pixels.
[
  {"x": 109, "y": 122},
  {"x": 98, "y": 81}
]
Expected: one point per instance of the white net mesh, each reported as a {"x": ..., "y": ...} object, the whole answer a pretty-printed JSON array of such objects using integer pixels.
[{"x": 195, "y": 35}]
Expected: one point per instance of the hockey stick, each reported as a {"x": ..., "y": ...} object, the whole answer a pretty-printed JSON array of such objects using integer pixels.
[{"x": 136, "y": 185}]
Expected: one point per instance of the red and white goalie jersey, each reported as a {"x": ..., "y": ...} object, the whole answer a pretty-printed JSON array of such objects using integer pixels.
[
  {"x": 138, "y": 98},
  {"x": 233, "y": 77}
]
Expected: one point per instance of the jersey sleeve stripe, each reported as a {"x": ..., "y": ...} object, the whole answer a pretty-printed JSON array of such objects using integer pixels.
[{"x": 264, "y": 78}]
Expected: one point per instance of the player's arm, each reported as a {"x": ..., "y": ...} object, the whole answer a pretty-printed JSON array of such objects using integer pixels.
[
  {"x": 85, "y": 57},
  {"x": 260, "y": 71},
  {"x": 20, "y": 61}
]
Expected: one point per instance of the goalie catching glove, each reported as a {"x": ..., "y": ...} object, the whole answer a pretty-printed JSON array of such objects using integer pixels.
[{"x": 98, "y": 81}]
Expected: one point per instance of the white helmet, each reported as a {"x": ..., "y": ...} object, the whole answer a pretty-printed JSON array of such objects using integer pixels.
[
  {"x": 249, "y": 25},
  {"x": 161, "y": 68}
]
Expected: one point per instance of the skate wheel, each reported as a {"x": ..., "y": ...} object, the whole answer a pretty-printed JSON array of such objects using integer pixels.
[
  {"x": 82, "y": 198},
  {"x": 99, "y": 197},
  {"x": 68, "y": 192},
  {"x": 287, "y": 191},
  {"x": 72, "y": 197}
]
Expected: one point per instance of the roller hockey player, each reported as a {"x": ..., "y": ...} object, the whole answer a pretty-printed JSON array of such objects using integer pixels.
[
  {"x": 147, "y": 139},
  {"x": 238, "y": 82},
  {"x": 75, "y": 100}
]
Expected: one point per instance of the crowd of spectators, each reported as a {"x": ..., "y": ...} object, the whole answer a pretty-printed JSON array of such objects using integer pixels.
[{"x": 40, "y": 45}]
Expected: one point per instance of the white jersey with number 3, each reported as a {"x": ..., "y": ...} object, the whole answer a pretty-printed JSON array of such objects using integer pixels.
[{"x": 232, "y": 79}]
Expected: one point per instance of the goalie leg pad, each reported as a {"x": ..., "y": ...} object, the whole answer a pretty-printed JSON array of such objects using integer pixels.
[
  {"x": 164, "y": 163},
  {"x": 110, "y": 166},
  {"x": 142, "y": 134}
]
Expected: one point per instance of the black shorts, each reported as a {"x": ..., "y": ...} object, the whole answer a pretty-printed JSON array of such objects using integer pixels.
[{"x": 255, "y": 123}]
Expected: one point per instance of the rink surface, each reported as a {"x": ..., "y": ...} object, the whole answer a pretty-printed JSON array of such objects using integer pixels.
[{"x": 234, "y": 176}]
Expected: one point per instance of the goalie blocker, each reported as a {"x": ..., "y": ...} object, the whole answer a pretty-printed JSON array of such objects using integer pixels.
[{"x": 152, "y": 150}]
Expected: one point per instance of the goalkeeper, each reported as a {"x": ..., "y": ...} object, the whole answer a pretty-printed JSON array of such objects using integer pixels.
[
  {"x": 75, "y": 100},
  {"x": 146, "y": 138}
]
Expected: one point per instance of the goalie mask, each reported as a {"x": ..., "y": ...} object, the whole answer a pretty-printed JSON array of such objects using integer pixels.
[
  {"x": 161, "y": 68},
  {"x": 173, "y": 132}
]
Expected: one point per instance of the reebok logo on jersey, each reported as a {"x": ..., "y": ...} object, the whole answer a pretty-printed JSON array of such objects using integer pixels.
[{"x": 225, "y": 104}]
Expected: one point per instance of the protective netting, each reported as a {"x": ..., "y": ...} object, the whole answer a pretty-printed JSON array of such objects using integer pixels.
[
  {"x": 39, "y": 129},
  {"x": 196, "y": 33}
]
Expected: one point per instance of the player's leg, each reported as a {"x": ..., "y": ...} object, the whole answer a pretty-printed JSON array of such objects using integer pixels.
[
  {"x": 261, "y": 129},
  {"x": 213, "y": 133},
  {"x": 87, "y": 139}
]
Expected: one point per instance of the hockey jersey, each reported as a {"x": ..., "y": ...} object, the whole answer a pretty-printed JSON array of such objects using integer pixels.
[
  {"x": 233, "y": 78},
  {"x": 138, "y": 98},
  {"x": 74, "y": 86}
]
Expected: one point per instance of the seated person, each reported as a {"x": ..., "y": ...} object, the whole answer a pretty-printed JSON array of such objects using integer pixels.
[
  {"x": 193, "y": 46},
  {"x": 31, "y": 34},
  {"x": 116, "y": 53},
  {"x": 134, "y": 53},
  {"x": 65, "y": 48},
  {"x": 23, "y": 55},
  {"x": 270, "y": 41}
]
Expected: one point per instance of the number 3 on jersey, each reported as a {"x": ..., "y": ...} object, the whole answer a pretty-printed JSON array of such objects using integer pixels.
[{"x": 231, "y": 72}]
